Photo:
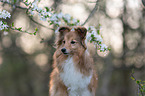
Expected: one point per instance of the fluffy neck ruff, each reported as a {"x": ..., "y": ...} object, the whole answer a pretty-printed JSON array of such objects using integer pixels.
[{"x": 72, "y": 77}]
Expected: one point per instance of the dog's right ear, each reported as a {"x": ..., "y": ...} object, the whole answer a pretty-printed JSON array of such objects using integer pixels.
[{"x": 63, "y": 30}]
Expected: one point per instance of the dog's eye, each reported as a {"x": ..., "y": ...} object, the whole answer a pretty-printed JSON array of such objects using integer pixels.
[
  {"x": 63, "y": 42},
  {"x": 73, "y": 42}
]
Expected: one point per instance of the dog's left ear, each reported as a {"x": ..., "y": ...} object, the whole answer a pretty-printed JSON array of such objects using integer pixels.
[
  {"x": 63, "y": 30},
  {"x": 81, "y": 32}
]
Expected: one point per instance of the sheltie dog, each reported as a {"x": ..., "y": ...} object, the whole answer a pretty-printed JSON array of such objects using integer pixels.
[{"x": 73, "y": 72}]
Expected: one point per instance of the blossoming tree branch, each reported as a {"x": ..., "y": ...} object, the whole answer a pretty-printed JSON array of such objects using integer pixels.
[{"x": 56, "y": 19}]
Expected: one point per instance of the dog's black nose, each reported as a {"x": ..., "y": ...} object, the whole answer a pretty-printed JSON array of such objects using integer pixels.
[{"x": 63, "y": 50}]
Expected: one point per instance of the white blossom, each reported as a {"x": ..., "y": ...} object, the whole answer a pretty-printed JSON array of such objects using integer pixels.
[
  {"x": 99, "y": 38},
  {"x": 59, "y": 23},
  {"x": 31, "y": 12},
  {"x": 56, "y": 31},
  {"x": 96, "y": 39},
  {"x": 94, "y": 33},
  {"x": 67, "y": 17},
  {"x": 74, "y": 21},
  {"x": 101, "y": 28},
  {"x": 60, "y": 15},
  {"x": 7, "y": 0},
  {"x": 3, "y": 26},
  {"x": 44, "y": 13},
  {"x": 34, "y": 4},
  {"x": 36, "y": 8},
  {"x": 26, "y": 2},
  {"x": 103, "y": 47},
  {"x": 92, "y": 28},
  {"x": 39, "y": 9},
  {"x": 78, "y": 24},
  {"x": 88, "y": 37},
  {"x": 53, "y": 17},
  {"x": 42, "y": 18},
  {"x": 5, "y": 33},
  {"x": 73, "y": 29},
  {"x": 4, "y": 14}
]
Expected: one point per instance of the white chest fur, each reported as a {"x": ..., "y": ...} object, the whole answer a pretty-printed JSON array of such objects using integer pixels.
[{"x": 75, "y": 81}]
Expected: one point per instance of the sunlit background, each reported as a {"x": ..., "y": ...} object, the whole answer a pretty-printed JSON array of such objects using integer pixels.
[{"x": 25, "y": 60}]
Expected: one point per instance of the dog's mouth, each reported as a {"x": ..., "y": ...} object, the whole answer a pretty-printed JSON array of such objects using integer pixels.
[{"x": 65, "y": 53}]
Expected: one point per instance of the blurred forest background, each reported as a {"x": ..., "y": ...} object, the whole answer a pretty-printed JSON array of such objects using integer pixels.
[{"x": 25, "y": 60}]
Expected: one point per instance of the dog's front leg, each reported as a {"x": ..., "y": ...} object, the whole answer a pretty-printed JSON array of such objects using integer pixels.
[{"x": 58, "y": 90}]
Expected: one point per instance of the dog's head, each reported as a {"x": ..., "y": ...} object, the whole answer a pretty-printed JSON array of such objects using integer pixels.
[{"x": 71, "y": 41}]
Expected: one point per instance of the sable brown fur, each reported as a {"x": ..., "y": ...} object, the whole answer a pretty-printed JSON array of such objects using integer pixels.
[{"x": 71, "y": 44}]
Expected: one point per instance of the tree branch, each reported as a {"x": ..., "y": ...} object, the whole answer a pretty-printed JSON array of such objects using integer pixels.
[
  {"x": 96, "y": 8},
  {"x": 16, "y": 6},
  {"x": 39, "y": 23}
]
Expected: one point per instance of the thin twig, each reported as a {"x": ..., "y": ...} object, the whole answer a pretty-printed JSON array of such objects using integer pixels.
[
  {"x": 39, "y": 23},
  {"x": 139, "y": 85},
  {"x": 92, "y": 13},
  {"x": 19, "y": 30}
]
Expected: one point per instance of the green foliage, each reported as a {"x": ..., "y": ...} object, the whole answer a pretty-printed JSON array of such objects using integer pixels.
[
  {"x": 15, "y": 1},
  {"x": 47, "y": 9},
  {"x": 36, "y": 29},
  {"x": 140, "y": 83}
]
